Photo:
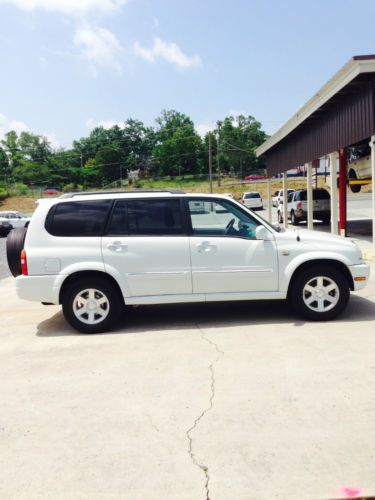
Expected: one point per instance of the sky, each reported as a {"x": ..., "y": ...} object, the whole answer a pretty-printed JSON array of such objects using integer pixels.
[{"x": 67, "y": 66}]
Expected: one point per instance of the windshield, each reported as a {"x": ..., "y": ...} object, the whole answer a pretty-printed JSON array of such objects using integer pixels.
[{"x": 252, "y": 195}]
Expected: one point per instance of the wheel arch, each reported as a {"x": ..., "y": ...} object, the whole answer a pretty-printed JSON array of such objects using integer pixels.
[
  {"x": 337, "y": 264},
  {"x": 72, "y": 278}
]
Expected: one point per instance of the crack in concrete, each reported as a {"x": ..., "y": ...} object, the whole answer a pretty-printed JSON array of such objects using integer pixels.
[{"x": 195, "y": 461}]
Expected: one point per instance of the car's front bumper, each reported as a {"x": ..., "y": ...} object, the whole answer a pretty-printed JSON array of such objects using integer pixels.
[
  {"x": 360, "y": 274},
  {"x": 38, "y": 288}
]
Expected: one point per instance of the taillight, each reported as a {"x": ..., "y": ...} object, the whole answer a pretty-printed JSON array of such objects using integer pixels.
[
  {"x": 23, "y": 263},
  {"x": 299, "y": 205}
]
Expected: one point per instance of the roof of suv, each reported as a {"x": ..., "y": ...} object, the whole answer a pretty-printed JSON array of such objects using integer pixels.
[{"x": 136, "y": 193}]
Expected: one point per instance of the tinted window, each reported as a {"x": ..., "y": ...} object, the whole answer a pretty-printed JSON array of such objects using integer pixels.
[
  {"x": 78, "y": 218},
  {"x": 149, "y": 217},
  {"x": 118, "y": 224},
  {"x": 318, "y": 194},
  {"x": 252, "y": 195}
]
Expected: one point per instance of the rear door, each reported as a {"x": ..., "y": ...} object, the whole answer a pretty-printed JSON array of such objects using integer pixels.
[{"x": 147, "y": 243}]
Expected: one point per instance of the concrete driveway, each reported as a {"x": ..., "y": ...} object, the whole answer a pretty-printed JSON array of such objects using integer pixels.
[{"x": 220, "y": 401}]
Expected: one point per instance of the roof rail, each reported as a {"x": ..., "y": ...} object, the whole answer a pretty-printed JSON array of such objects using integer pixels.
[{"x": 123, "y": 191}]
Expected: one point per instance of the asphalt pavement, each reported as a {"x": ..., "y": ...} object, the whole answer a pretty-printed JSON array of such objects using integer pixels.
[{"x": 198, "y": 401}]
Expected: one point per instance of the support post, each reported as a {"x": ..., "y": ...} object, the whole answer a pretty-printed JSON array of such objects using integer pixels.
[
  {"x": 334, "y": 214},
  {"x": 285, "y": 199},
  {"x": 310, "y": 215},
  {"x": 342, "y": 191},
  {"x": 210, "y": 160},
  {"x": 269, "y": 195},
  {"x": 372, "y": 144}
]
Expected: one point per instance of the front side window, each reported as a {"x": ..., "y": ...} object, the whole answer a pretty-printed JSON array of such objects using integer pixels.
[
  {"x": 78, "y": 218},
  {"x": 221, "y": 218},
  {"x": 154, "y": 217}
]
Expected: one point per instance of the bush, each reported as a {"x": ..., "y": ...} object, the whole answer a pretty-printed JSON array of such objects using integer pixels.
[
  {"x": 69, "y": 187},
  {"x": 137, "y": 184},
  {"x": 19, "y": 189},
  {"x": 3, "y": 193}
]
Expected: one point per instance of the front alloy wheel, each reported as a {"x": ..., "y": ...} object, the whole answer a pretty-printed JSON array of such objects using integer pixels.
[{"x": 319, "y": 293}]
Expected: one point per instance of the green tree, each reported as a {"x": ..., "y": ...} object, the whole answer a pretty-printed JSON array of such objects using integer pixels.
[{"x": 178, "y": 147}]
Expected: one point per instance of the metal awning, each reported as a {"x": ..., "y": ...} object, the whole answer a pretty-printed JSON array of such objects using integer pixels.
[{"x": 340, "y": 114}]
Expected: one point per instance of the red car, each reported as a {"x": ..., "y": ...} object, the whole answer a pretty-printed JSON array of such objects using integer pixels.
[
  {"x": 51, "y": 191},
  {"x": 254, "y": 177}
]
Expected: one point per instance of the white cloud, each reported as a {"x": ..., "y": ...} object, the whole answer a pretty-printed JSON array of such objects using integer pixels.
[
  {"x": 8, "y": 125},
  {"x": 98, "y": 46},
  {"x": 106, "y": 124},
  {"x": 170, "y": 52},
  {"x": 71, "y": 7},
  {"x": 204, "y": 128}
]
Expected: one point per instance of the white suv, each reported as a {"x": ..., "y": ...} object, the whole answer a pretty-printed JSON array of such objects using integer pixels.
[
  {"x": 297, "y": 206},
  {"x": 96, "y": 252}
]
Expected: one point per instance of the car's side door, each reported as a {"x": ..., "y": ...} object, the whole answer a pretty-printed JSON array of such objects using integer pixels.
[
  {"x": 225, "y": 255},
  {"x": 147, "y": 243}
]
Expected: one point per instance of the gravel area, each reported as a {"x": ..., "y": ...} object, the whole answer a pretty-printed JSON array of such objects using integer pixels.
[{"x": 4, "y": 270}]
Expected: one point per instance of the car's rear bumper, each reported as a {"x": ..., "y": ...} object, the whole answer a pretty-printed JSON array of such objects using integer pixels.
[
  {"x": 317, "y": 214},
  {"x": 360, "y": 274},
  {"x": 38, "y": 288}
]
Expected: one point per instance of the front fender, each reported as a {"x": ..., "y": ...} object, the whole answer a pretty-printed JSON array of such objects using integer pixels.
[{"x": 287, "y": 272}]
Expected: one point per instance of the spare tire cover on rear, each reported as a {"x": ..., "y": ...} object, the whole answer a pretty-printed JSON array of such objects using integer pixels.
[{"x": 15, "y": 242}]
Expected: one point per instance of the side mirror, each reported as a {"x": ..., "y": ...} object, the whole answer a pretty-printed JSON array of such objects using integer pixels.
[{"x": 261, "y": 233}]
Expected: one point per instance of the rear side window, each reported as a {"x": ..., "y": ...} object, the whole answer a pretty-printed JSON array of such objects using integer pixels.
[
  {"x": 146, "y": 218},
  {"x": 318, "y": 194},
  {"x": 78, "y": 218}
]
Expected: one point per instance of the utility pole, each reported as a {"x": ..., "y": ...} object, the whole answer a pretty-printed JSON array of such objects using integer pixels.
[
  {"x": 218, "y": 154},
  {"x": 210, "y": 160}
]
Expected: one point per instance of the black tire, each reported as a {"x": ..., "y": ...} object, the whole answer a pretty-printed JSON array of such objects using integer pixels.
[
  {"x": 355, "y": 188},
  {"x": 104, "y": 288},
  {"x": 297, "y": 295},
  {"x": 293, "y": 218},
  {"x": 15, "y": 243}
]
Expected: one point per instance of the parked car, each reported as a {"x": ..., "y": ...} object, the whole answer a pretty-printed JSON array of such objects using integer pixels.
[
  {"x": 255, "y": 177},
  {"x": 16, "y": 219},
  {"x": 50, "y": 191},
  {"x": 297, "y": 206},
  {"x": 94, "y": 253},
  {"x": 278, "y": 197},
  {"x": 252, "y": 199},
  {"x": 5, "y": 228}
]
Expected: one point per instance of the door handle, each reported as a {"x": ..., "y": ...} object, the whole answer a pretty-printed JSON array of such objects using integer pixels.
[
  {"x": 117, "y": 246},
  {"x": 205, "y": 246}
]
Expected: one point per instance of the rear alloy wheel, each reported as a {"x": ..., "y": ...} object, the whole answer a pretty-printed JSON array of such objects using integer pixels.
[
  {"x": 293, "y": 219},
  {"x": 92, "y": 305},
  {"x": 320, "y": 293}
]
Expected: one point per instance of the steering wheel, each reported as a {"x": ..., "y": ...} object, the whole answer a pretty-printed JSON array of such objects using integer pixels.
[{"x": 229, "y": 225}]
